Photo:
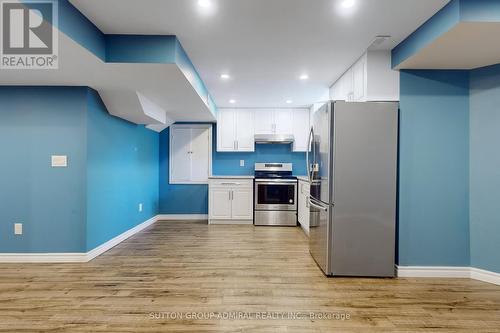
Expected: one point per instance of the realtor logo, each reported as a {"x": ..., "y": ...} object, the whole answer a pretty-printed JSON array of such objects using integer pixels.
[{"x": 29, "y": 35}]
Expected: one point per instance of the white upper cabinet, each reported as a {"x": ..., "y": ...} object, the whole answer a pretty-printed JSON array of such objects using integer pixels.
[
  {"x": 190, "y": 159},
  {"x": 300, "y": 129},
  {"x": 226, "y": 130},
  {"x": 371, "y": 78},
  {"x": 358, "y": 80},
  {"x": 245, "y": 131},
  {"x": 264, "y": 121},
  {"x": 273, "y": 121},
  {"x": 235, "y": 130},
  {"x": 283, "y": 121}
]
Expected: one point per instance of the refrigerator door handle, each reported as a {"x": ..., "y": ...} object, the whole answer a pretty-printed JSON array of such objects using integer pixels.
[
  {"x": 312, "y": 204},
  {"x": 309, "y": 147}
]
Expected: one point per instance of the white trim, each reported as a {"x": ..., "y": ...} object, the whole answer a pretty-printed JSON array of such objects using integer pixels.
[
  {"x": 209, "y": 127},
  {"x": 120, "y": 238},
  {"x": 433, "y": 271},
  {"x": 485, "y": 276},
  {"x": 74, "y": 257},
  {"x": 448, "y": 272},
  {"x": 42, "y": 257},
  {"x": 182, "y": 217}
]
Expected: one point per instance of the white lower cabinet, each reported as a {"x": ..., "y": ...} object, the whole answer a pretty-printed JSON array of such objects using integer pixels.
[
  {"x": 230, "y": 201},
  {"x": 303, "y": 205}
]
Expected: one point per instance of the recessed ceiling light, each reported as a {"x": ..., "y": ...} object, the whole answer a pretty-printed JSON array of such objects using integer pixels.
[
  {"x": 348, "y": 3},
  {"x": 232, "y": 101},
  {"x": 289, "y": 101},
  {"x": 204, "y": 3},
  {"x": 304, "y": 77},
  {"x": 225, "y": 76}
]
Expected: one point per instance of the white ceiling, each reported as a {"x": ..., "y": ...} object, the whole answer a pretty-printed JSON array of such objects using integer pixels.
[{"x": 266, "y": 44}]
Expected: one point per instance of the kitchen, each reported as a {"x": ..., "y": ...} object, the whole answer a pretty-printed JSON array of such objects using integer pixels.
[{"x": 250, "y": 165}]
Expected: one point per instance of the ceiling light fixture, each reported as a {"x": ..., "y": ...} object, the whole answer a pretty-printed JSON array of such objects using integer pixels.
[
  {"x": 289, "y": 101},
  {"x": 304, "y": 77},
  {"x": 204, "y": 3},
  {"x": 348, "y": 3},
  {"x": 232, "y": 101},
  {"x": 225, "y": 76}
]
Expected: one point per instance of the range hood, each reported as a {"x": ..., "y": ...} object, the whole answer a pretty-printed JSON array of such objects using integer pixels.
[{"x": 274, "y": 138}]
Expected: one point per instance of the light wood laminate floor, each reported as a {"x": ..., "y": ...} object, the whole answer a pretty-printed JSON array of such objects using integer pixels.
[{"x": 186, "y": 267}]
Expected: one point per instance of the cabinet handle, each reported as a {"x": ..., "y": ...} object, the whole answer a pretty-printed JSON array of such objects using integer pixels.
[
  {"x": 236, "y": 144},
  {"x": 230, "y": 183}
]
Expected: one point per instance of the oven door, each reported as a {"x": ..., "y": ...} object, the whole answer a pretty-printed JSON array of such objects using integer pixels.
[{"x": 276, "y": 194}]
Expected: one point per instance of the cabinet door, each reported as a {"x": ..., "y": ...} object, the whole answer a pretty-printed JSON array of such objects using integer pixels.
[
  {"x": 264, "y": 121},
  {"x": 242, "y": 203},
  {"x": 300, "y": 129},
  {"x": 200, "y": 159},
  {"x": 245, "y": 130},
  {"x": 180, "y": 164},
  {"x": 358, "y": 74},
  {"x": 347, "y": 85},
  {"x": 283, "y": 121},
  {"x": 226, "y": 130},
  {"x": 219, "y": 203}
]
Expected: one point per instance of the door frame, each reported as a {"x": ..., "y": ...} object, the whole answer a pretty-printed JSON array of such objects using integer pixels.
[{"x": 190, "y": 126}]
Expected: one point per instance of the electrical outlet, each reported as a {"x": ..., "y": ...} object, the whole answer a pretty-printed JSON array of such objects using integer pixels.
[
  {"x": 18, "y": 228},
  {"x": 140, "y": 207},
  {"x": 242, "y": 163}
]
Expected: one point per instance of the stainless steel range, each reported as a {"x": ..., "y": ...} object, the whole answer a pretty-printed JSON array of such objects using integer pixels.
[{"x": 275, "y": 195}]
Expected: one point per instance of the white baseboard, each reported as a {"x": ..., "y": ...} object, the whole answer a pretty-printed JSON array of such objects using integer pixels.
[
  {"x": 448, "y": 272},
  {"x": 120, "y": 238},
  {"x": 74, "y": 257},
  {"x": 485, "y": 276},
  {"x": 182, "y": 217},
  {"x": 433, "y": 271},
  {"x": 42, "y": 257}
]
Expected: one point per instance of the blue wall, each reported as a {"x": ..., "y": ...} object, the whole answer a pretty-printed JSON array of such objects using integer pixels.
[
  {"x": 122, "y": 171},
  {"x": 193, "y": 199},
  {"x": 35, "y": 123},
  {"x": 485, "y": 168},
  {"x": 434, "y": 174},
  {"x": 113, "y": 166}
]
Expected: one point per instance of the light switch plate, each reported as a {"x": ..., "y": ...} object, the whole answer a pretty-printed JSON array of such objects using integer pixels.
[
  {"x": 59, "y": 161},
  {"x": 242, "y": 163},
  {"x": 18, "y": 228}
]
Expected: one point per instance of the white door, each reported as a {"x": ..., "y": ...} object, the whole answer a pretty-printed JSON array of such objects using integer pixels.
[
  {"x": 300, "y": 129},
  {"x": 264, "y": 121},
  {"x": 220, "y": 203},
  {"x": 283, "y": 121},
  {"x": 226, "y": 131},
  {"x": 245, "y": 130},
  {"x": 200, "y": 154},
  {"x": 180, "y": 154},
  {"x": 242, "y": 208}
]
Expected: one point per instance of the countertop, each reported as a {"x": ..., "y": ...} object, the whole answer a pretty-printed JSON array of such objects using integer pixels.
[{"x": 231, "y": 177}]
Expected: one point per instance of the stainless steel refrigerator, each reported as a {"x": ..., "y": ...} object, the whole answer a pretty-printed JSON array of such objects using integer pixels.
[{"x": 352, "y": 170}]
